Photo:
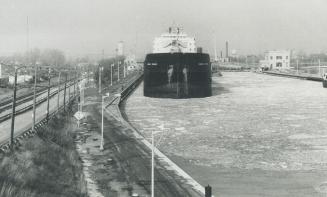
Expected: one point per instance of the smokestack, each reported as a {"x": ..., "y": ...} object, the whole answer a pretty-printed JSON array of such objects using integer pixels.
[
  {"x": 226, "y": 49},
  {"x": 221, "y": 54}
]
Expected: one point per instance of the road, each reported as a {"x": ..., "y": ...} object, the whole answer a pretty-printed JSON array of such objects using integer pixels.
[
  {"x": 258, "y": 135},
  {"x": 24, "y": 121}
]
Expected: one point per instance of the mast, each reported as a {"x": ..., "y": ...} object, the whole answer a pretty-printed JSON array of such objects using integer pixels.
[
  {"x": 215, "y": 47},
  {"x": 27, "y": 40}
]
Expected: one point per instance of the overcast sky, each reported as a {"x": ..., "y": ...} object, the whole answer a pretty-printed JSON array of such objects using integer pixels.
[{"x": 85, "y": 27}]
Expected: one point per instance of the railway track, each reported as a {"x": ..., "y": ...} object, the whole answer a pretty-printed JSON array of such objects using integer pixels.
[
  {"x": 5, "y": 145},
  {"x": 26, "y": 98}
]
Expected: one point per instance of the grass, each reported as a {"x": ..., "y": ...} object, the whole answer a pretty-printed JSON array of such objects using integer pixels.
[{"x": 46, "y": 165}]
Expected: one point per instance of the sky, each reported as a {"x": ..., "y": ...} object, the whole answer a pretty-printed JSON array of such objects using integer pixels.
[{"x": 86, "y": 27}]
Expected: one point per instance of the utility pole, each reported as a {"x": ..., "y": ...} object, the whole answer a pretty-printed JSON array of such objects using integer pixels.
[
  {"x": 69, "y": 86},
  {"x": 152, "y": 166},
  {"x": 13, "y": 112},
  {"x": 111, "y": 73},
  {"x": 124, "y": 69},
  {"x": 58, "y": 104},
  {"x": 14, "y": 109},
  {"x": 75, "y": 81},
  {"x": 102, "y": 105},
  {"x": 49, "y": 81},
  {"x": 34, "y": 98},
  {"x": 118, "y": 70},
  {"x": 65, "y": 93},
  {"x": 100, "y": 69},
  {"x": 27, "y": 40}
]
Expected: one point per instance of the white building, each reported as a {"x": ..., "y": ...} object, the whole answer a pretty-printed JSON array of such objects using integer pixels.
[
  {"x": 276, "y": 59},
  {"x": 20, "y": 79},
  {"x": 174, "y": 41},
  {"x": 130, "y": 62},
  {"x": 120, "y": 48}
]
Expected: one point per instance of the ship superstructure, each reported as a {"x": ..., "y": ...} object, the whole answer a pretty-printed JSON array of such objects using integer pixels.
[{"x": 174, "y": 41}]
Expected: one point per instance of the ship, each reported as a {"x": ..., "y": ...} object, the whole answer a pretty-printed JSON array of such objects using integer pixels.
[
  {"x": 324, "y": 80},
  {"x": 176, "y": 68}
]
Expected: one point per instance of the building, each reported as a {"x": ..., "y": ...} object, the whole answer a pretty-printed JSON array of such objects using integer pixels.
[
  {"x": 174, "y": 41},
  {"x": 130, "y": 62},
  {"x": 277, "y": 59},
  {"x": 6, "y": 70},
  {"x": 120, "y": 48}
]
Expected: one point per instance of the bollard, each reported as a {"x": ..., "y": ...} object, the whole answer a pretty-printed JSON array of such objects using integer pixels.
[{"x": 208, "y": 192}]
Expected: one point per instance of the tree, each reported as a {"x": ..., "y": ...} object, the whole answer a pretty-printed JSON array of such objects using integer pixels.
[{"x": 53, "y": 57}]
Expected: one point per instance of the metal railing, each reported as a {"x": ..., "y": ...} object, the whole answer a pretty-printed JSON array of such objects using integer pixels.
[
  {"x": 24, "y": 109},
  {"x": 5, "y": 145},
  {"x": 311, "y": 78}
]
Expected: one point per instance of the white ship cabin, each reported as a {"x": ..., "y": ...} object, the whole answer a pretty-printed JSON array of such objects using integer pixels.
[{"x": 174, "y": 41}]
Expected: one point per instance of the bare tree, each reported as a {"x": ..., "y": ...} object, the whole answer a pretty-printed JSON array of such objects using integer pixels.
[{"x": 53, "y": 57}]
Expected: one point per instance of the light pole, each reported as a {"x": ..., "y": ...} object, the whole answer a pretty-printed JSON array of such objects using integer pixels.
[
  {"x": 14, "y": 109},
  {"x": 65, "y": 92},
  {"x": 111, "y": 74},
  {"x": 101, "y": 143},
  {"x": 118, "y": 70},
  {"x": 58, "y": 104},
  {"x": 48, "y": 104},
  {"x": 34, "y": 98},
  {"x": 100, "y": 70},
  {"x": 152, "y": 165},
  {"x": 152, "y": 156},
  {"x": 124, "y": 69},
  {"x": 69, "y": 82},
  {"x": 81, "y": 88},
  {"x": 75, "y": 80}
]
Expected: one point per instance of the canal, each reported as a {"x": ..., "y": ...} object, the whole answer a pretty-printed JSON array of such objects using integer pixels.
[{"x": 258, "y": 135}]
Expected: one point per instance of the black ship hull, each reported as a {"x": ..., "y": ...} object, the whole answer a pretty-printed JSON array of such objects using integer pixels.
[
  {"x": 324, "y": 83},
  {"x": 177, "y": 75}
]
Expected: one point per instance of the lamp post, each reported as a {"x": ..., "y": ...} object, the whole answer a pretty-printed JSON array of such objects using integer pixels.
[
  {"x": 101, "y": 143},
  {"x": 81, "y": 89},
  {"x": 152, "y": 155},
  {"x": 48, "y": 98},
  {"x": 124, "y": 69},
  {"x": 100, "y": 70},
  {"x": 75, "y": 81},
  {"x": 112, "y": 65},
  {"x": 69, "y": 95},
  {"x": 65, "y": 92},
  {"x": 118, "y": 70},
  {"x": 58, "y": 104},
  {"x": 34, "y": 98},
  {"x": 152, "y": 165},
  {"x": 14, "y": 109}
]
